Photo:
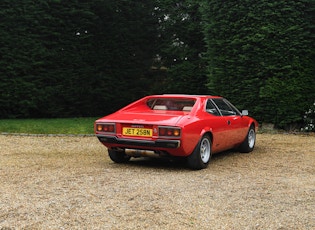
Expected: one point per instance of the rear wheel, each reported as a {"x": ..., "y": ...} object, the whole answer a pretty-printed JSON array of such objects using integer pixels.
[
  {"x": 249, "y": 142},
  {"x": 200, "y": 157},
  {"x": 118, "y": 156}
]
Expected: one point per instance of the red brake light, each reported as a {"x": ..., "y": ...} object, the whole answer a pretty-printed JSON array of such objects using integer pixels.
[
  {"x": 162, "y": 132},
  {"x": 111, "y": 128},
  {"x": 169, "y": 131},
  {"x": 106, "y": 127}
]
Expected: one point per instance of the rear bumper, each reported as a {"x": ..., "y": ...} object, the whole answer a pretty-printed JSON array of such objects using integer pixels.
[{"x": 171, "y": 144}]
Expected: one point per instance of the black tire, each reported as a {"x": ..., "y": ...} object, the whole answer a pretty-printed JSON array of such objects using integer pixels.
[
  {"x": 118, "y": 156},
  {"x": 201, "y": 156},
  {"x": 249, "y": 142}
]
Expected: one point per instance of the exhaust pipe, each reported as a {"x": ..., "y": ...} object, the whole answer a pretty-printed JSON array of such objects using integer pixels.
[{"x": 141, "y": 153}]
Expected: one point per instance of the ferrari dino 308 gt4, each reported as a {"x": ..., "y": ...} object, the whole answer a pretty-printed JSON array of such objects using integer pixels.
[{"x": 188, "y": 126}]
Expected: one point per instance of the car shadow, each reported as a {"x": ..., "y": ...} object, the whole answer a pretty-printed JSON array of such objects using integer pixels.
[
  {"x": 176, "y": 163},
  {"x": 222, "y": 155},
  {"x": 159, "y": 163}
]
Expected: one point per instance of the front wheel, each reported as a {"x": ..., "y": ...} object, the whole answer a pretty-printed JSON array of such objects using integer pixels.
[
  {"x": 118, "y": 156},
  {"x": 200, "y": 157},
  {"x": 249, "y": 142}
]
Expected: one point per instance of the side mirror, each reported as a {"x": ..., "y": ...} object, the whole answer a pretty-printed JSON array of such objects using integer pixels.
[{"x": 245, "y": 112}]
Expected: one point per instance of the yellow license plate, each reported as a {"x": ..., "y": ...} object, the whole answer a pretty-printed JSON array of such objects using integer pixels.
[{"x": 139, "y": 132}]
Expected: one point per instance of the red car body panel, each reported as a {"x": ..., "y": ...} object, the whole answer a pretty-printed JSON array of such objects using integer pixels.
[{"x": 226, "y": 131}]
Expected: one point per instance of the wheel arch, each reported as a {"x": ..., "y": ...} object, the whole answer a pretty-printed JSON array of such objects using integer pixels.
[
  {"x": 207, "y": 132},
  {"x": 254, "y": 125}
]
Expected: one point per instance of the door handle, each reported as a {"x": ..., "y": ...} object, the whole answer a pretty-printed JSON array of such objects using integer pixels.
[{"x": 228, "y": 122}]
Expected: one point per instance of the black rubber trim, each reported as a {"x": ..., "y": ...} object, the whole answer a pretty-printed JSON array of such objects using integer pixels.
[{"x": 173, "y": 144}]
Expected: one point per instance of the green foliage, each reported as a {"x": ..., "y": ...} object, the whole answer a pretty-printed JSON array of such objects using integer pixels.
[
  {"x": 261, "y": 55},
  {"x": 125, "y": 34},
  {"x": 73, "y": 58},
  {"x": 309, "y": 119},
  {"x": 181, "y": 46},
  {"x": 48, "y": 126},
  {"x": 64, "y": 58}
]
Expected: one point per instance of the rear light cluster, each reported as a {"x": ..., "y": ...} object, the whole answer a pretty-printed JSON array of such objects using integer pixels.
[
  {"x": 106, "y": 127},
  {"x": 169, "y": 132}
]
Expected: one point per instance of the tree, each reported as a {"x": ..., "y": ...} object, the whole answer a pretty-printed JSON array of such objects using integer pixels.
[
  {"x": 181, "y": 46},
  {"x": 73, "y": 58},
  {"x": 261, "y": 55},
  {"x": 125, "y": 43},
  {"x": 21, "y": 60}
]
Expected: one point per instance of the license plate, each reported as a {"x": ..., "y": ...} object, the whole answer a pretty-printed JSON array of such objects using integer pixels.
[{"x": 139, "y": 132}]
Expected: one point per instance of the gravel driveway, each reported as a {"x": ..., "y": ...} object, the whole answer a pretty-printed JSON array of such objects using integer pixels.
[{"x": 70, "y": 183}]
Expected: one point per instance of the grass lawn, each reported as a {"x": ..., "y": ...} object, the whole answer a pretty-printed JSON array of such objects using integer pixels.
[{"x": 48, "y": 126}]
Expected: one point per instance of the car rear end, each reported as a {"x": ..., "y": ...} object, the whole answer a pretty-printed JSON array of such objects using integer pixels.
[
  {"x": 150, "y": 125},
  {"x": 139, "y": 139}
]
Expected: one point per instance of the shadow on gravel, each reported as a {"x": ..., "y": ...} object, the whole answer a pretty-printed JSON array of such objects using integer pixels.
[
  {"x": 159, "y": 163},
  {"x": 174, "y": 164}
]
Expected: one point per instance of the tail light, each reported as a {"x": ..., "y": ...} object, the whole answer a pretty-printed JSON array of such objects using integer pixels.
[
  {"x": 106, "y": 127},
  {"x": 169, "y": 132}
]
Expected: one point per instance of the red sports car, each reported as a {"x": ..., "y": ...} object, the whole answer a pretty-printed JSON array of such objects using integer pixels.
[{"x": 189, "y": 126}]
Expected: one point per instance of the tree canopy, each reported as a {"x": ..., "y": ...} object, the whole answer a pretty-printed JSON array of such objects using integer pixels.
[{"x": 62, "y": 58}]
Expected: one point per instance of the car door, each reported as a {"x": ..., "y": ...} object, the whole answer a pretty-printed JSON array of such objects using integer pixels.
[
  {"x": 240, "y": 124},
  {"x": 235, "y": 124},
  {"x": 220, "y": 128}
]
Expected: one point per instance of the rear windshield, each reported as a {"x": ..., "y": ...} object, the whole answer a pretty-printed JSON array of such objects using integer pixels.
[{"x": 173, "y": 104}]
